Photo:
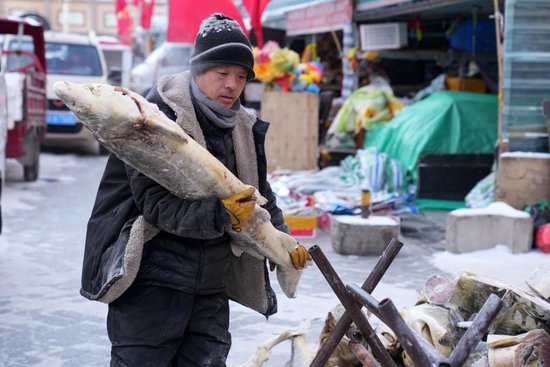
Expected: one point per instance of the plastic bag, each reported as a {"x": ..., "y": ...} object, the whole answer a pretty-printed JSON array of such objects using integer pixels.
[{"x": 482, "y": 194}]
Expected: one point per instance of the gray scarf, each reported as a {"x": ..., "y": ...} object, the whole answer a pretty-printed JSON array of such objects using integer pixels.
[{"x": 219, "y": 115}]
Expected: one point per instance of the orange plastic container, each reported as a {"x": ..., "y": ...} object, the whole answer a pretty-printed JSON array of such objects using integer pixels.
[{"x": 302, "y": 225}]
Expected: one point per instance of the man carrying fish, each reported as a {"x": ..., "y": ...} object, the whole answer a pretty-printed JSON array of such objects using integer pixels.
[{"x": 173, "y": 310}]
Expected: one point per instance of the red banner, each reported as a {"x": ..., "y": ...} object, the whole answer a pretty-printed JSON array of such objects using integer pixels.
[
  {"x": 120, "y": 5},
  {"x": 124, "y": 23},
  {"x": 146, "y": 13},
  {"x": 185, "y": 17},
  {"x": 255, "y": 9}
]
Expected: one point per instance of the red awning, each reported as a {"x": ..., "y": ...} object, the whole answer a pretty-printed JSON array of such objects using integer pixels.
[
  {"x": 319, "y": 18},
  {"x": 185, "y": 16}
]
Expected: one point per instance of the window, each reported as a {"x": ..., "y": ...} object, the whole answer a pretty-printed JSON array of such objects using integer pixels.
[
  {"x": 73, "y": 59},
  {"x": 15, "y": 61}
]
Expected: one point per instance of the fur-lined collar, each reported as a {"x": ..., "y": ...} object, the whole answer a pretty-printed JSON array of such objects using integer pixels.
[{"x": 175, "y": 92}]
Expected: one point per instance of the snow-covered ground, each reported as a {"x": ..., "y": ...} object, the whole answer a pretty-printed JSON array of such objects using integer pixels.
[{"x": 45, "y": 322}]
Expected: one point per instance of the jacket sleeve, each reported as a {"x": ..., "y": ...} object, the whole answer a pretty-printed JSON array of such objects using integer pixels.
[
  {"x": 200, "y": 219},
  {"x": 260, "y": 130},
  {"x": 276, "y": 213}
]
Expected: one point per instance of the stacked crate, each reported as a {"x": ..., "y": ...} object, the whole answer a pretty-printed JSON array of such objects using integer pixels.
[{"x": 526, "y": 74}]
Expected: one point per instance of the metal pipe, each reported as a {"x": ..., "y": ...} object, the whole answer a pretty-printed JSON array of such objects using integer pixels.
[
  {"x": 370, "y": 283},
  {"x": 351, "y": 306},
  {"x": 419, "y": 350},
  {"x": 422, "y": 354},
  {"x": 476, "y": 331},
  {"x": 363, "y": 355}
]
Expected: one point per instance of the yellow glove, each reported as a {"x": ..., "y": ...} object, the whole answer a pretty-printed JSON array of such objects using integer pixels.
[
  {"x": 299, "y": 257},
  {"x": 240, "y": 207}
]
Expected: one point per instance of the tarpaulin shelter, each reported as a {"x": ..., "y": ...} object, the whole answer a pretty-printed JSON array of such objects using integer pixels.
[
  {"x": 185, "y": 16},
  {"x": 444, "y": 123}
]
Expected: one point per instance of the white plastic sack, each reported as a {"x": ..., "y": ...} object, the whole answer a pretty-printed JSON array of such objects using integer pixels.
[{"x": 16, "y": 84}]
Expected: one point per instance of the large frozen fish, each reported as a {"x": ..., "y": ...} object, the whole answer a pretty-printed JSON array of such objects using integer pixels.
[{"x": 140, "y": 135}]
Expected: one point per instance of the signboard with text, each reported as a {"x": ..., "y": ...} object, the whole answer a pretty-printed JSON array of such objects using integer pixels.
[{"x": 324, "y": 17}]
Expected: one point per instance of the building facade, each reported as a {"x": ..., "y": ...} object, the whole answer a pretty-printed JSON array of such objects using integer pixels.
[{"x": 80, "y": 16}]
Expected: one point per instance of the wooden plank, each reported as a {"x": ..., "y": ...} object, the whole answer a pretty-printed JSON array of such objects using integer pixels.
[{"x": 292, "y": 140}]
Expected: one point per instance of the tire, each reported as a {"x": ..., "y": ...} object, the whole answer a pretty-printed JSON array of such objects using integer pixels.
[
  {"x": 30, "y": 173},
  {"x": 31, "y": 167}
]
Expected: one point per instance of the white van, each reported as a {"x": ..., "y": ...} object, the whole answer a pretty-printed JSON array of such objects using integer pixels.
[
  {"x": 168, "y": 58},
  {"x": 77, "y": 59}
]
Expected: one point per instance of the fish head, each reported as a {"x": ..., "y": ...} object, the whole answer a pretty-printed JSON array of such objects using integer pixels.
[
  {"x": 114, "y": 113},
  {"x": 99, "y": 107}
]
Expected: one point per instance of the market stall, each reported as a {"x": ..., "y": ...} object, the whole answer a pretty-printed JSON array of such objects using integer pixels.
[
  {"x": 408, "y": 51},
  {"x": 299, "y": 82}
]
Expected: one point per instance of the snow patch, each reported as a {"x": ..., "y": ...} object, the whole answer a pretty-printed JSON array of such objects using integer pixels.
[
  {"x": 373, "y": 220},
  {"x": 497, "y": 208},
  {"x": 497, "y": 263}
]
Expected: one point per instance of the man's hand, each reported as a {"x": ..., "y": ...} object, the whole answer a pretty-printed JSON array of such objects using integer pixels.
[
  {"x": 299, "y": 257},
  {"x": 239, "y": 207}
]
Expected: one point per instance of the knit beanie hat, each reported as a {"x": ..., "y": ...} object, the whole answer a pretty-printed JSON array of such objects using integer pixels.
[{"x": 221, "y": 41}]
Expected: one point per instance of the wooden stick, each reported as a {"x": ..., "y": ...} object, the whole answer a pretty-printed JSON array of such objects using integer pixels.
[
  {"x": 337, "y": 42},
  {"x": 500, "y": 74},
  {"x": 351, "y": 307},
  {"x": 363, "y": 355},
  {"x": 370, "y": 283}
]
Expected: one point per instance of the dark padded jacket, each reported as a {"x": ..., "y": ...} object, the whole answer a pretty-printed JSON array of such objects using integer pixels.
[{"x": 191, "y": 252}]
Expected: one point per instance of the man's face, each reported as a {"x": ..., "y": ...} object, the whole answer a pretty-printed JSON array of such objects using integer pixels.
[{"x": 223, "y": 84}]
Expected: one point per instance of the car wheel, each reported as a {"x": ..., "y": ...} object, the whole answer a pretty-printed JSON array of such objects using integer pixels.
[{"x": 30, "y": 172}]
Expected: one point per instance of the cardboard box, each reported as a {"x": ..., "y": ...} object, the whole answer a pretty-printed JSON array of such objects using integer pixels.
[{"x": 473, "y": 85}]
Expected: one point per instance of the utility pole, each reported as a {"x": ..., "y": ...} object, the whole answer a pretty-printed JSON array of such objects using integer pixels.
[{"x": 65, "y": 16}]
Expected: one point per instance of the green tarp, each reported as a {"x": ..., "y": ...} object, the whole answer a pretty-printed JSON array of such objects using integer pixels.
[
  {"x": 444, "y": 123},
  {"x": 436, "y": 205}
]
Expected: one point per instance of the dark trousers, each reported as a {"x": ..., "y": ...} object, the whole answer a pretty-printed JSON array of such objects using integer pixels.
[{"x": 157, "y": 326}]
